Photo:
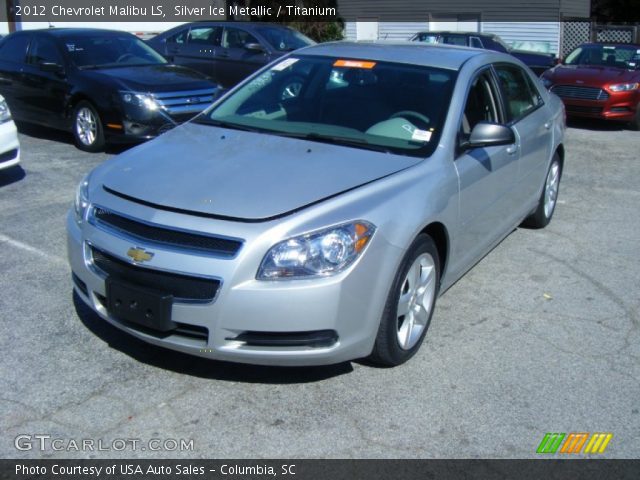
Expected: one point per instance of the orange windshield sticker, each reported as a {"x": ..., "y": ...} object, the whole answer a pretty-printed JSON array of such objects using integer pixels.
[{"x": 354, "y": 64}]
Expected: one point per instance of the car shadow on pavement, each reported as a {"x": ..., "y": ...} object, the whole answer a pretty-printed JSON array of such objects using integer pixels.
[
  {"x": 597, "y": 125},
  {"x": 197, "y": 366},
  {"x": 45, "y": 133},
  {"x": 11, "y": 175}
]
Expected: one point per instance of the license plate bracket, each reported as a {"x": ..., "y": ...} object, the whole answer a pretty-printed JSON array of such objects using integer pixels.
[{"x": 142, "y": 306}]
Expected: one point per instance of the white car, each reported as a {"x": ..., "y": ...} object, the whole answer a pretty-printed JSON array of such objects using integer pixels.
[{"x": 9, "y": 145}]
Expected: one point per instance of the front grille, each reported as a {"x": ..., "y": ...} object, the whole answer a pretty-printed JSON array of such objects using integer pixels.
[
  {"x": 180, "y": 103},
  {"x": 580, "y": 93},
  {"x": 165, "y": 236},
  {"x": 10, "y": 155},
  {"x": 182, "y": 287},
  {"x": 583, "y": 109}
]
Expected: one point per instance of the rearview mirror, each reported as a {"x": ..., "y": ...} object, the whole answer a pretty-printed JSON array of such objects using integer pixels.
[
  {"x": 254, "y": 47},
  {"x": 487, "y": 134},
  {"x": 51, "y": 67}
]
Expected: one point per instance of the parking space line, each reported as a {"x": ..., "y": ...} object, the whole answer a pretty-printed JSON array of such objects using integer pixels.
[{"x": 30, "y": 249}]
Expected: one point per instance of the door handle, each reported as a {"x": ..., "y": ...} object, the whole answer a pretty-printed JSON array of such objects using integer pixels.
[
  {"x": 512, "y": 149},
  {"x": 547, "y": 125}
]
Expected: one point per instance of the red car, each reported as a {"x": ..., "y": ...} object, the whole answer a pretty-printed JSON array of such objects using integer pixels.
[{"x": 599, "y": 81}]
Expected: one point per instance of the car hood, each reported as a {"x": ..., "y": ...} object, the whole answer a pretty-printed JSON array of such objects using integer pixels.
[
  {"x": 153, "y": 78},
  {"x": 239, "y": 175},
  {"x": 597, "y": 76}
]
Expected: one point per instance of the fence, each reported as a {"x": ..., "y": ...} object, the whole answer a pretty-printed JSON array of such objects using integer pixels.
[{"x": 577, "y": 31}]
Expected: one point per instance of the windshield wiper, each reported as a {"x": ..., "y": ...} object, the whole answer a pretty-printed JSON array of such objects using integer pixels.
[
  {"x": 203, "y": 120},
  {"x": 336, "y": 139}
]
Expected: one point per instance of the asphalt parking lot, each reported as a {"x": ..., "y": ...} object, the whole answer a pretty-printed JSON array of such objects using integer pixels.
[{"x": 543, "y": 335}]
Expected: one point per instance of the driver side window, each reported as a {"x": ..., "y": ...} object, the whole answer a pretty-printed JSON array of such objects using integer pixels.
[
  {"x": 43, "y": 50},
  {"x": 481, "y": 105}
]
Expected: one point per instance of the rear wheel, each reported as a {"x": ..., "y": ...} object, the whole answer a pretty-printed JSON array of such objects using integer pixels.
[
  {"x": 549, "y": 197},
  {"x": 87, "y": 128},
  {"x": 409, "y": 308}
]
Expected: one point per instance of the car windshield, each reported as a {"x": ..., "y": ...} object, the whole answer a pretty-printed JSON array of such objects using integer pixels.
[
  {"x": 284, "y": 39},
  {"x": 389, "y": 107},
  {"x": 618, "y": 56},
  {"x": 426, "y": 37},
  {"x": 106, "y": 51}
]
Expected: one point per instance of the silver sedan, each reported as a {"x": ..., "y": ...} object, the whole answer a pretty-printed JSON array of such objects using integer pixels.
[{"x": 314, "y": 213}]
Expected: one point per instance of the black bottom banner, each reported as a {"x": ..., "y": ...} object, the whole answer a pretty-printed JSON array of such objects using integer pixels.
[{"x": 320, "y": 469}]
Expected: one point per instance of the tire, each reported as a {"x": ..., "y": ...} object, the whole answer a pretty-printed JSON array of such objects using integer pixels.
[
  {"x": 400, "y": 335},
  {"x": 635, "y": 123},
  {"x": 88, "y": 131},
  {"x": 543, "y": 213}
]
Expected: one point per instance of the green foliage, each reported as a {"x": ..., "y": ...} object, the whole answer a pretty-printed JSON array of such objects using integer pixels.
[{"x": 320, "y": 31}]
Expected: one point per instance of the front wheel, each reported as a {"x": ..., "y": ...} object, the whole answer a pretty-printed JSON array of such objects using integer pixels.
[
  {"x": 87, "y": 128},
  {"x": 409, "y": 308},
  {"x": 549, "y": 197},
  {"x": 635, "y": 123}
]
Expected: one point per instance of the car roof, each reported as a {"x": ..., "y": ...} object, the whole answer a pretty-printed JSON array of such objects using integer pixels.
[
  {"x": 228, "y": 23},
  {"x": 61, "y": 32},
  {"x": 441, "y": 56},
  {"x": 611, "y": 44},
  {"x": 456, "y": 32}
]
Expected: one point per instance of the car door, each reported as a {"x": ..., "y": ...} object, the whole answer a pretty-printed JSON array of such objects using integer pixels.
[
  {"x": 487, "y": 176},
  {"x": 45, "y": 86},
  {"x": 236, "y": 59},
  {"x": 196, "y": 48},
  {"x": 13, "y": 52},
  {"x": 530, "y": 118}
]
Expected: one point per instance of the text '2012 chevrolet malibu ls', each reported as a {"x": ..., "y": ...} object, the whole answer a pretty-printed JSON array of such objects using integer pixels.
[{"x": 314, "y": 213}]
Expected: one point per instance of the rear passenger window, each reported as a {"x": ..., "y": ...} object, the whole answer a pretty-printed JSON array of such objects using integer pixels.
[
  {"x": 520, "y": 94},
  {"x": 14, "y": 49}
]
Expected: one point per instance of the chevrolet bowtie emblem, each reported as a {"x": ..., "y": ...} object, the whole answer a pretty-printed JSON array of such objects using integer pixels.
[{"x": 139, "y": 255}]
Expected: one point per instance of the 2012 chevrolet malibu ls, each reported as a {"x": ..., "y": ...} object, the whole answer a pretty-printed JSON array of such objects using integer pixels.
[{"x": 319, "y": 227}]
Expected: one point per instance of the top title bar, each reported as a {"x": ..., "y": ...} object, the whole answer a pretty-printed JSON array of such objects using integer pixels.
[{"x": 291, "y": 10}]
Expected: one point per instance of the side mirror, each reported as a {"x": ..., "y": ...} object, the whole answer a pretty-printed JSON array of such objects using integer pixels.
[
  {"x": 254, "y": 47},
  {"x": 51, "y": 67},
  {"x": 486, "y": 134}
]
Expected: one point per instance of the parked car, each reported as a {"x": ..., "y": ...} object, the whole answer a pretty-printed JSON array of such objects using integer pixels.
[
  {"x": 9, "y": 144},
  {"x": 599, "y": 81},
  {"x": 227, "y": 52},
  {"x": 319, "y": 228},
  {"x": 536, "y": 61},
  {"x": 101, "y": 85}
]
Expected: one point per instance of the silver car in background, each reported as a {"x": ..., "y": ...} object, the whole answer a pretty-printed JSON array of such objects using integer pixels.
[{"x": 319, "y": 224}]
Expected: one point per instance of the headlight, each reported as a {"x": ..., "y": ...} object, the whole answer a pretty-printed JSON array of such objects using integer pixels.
[
  {"x": 5, "y": 113},
  {"x": 624, "y": 87},
  {"x": 81, "y": 203},
  {"x": 317, "y": 254},
  {"x": 140, "y": 100}
]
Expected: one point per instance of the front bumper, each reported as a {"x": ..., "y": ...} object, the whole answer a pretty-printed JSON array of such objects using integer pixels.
[
  {"x": 620, "y": 106},
  {"x": 290, "y": 323},
  {"x": 9, "y": 145}
]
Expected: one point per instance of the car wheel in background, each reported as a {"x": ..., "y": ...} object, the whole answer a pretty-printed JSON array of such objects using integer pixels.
[
  {"x": 409, "y": 308},
  {"x": 549, "y": 197},
  {"x": 87, "y": 128},
  {"x": 635, "y": 123}
]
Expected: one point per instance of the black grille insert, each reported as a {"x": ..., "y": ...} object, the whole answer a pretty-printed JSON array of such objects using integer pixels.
[
  {"x": 182, "y": 287},
  {"x": 166, "y": 236},
  {"x": 317, "y": 338}
]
